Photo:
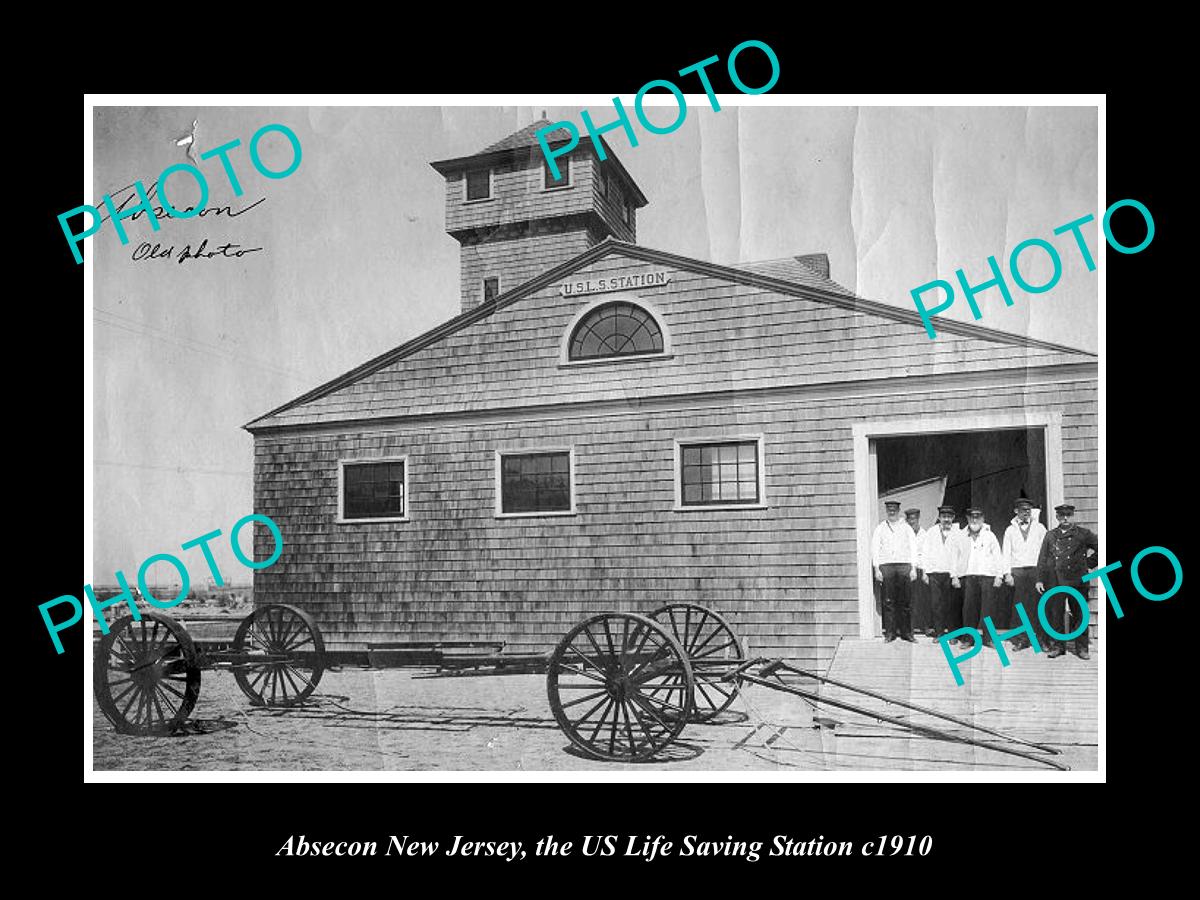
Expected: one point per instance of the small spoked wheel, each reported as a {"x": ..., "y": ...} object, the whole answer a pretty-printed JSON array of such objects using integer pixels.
[
  {"x": 146, "y": 676},
  {"x": 712, "y": 649},
  {"x": 280, "y": 655},
  {"x": 620, "y": 687}
]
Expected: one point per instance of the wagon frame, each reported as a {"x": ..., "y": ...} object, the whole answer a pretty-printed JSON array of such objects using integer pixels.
[
  {"x": 146, "y": 671},
  {"x": 621, "y": 686}
]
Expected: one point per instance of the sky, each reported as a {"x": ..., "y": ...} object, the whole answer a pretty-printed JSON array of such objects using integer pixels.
[{"x": 354, "y": 258}]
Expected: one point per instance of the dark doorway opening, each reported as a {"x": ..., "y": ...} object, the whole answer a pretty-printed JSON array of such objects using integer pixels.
[{"x": 988, "y": 469}]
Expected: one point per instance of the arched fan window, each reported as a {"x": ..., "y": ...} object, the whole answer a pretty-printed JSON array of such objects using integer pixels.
[{"x": 615, "y": 329}]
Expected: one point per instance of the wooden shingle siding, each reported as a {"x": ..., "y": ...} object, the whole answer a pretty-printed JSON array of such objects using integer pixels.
[
  {"x": 516, "y": 261},
  {"x": 725, "y": 335},
  {"x": 610, "y": 207},
  {"x": 517, "y": 194},
  {"x": 785, "y": 575}
]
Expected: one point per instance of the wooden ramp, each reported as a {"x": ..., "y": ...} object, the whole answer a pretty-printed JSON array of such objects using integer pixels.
[{"x": 1047, "y": 701}]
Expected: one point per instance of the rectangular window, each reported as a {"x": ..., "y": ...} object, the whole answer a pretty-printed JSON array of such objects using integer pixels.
[
  {"x": 627, "y": 213},
  {"x": 564, "y": 169},
  {"x": 479, "y": 184},
  {"x": 720, "y": 474},
  {"x": 373, "y": 489},
  {"x": 604, "y": 183},
  {"x": 491, "y": 289},
  {"x": 535, "y": 482}
]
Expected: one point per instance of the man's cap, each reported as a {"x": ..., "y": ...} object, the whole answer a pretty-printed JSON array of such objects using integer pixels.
[
  {"x": 1023, "y": 502},
  {"x": 946, "y": 509},
  {"x": 974, "y": 511},
  {"x": 912, "y": 511},
  {"x": 1064, "y": 507},
  {"x": 892, "y": 504}
]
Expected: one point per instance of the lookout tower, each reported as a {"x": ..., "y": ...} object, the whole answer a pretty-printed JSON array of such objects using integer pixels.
[{"x": 514, "y": 220}]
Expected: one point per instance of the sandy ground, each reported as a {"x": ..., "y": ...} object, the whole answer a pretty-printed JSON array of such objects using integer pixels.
[{"x": 405, "y": 719}]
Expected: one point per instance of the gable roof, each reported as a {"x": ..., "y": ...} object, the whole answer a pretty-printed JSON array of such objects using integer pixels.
[
  {"x": 790, "y": 276},
  {"x": 797, "y": 269}
]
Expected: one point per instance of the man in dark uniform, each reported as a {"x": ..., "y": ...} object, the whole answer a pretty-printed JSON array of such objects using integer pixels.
[{"x": 1064, "y": 559}]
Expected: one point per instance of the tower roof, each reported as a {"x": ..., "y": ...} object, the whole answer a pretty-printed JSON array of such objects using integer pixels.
[
  {"x": 523, "y": 140},
  {"x": 527, "y": 137}
]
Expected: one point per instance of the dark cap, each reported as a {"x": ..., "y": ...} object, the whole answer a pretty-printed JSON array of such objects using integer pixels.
[
  {"x": 892, "y": 504},
  {"x": 1028, "y": 504},
  {"x": 912, "y": 511},
  {"x": 974, "y": 511},
  {"x": 1064, "y": 507},
  {"x": 946, "y": 509}
]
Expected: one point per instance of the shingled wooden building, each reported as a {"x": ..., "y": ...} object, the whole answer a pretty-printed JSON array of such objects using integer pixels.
[{"x": 609, "y": 426}]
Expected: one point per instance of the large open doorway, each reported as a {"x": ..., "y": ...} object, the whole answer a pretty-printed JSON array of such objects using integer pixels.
[
  {"x": 977, "y": 461},
  {"x": 988, "y": 469}
]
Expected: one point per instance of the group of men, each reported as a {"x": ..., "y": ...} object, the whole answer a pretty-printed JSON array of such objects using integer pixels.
[{"x": 944, "y": 577}]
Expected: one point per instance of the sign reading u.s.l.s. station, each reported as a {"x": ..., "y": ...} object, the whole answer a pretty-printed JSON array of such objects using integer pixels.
[{"x": 613, "y": 283}]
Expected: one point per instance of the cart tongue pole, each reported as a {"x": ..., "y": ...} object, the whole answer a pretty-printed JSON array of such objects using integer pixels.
[{"x": 758, "y": 671}]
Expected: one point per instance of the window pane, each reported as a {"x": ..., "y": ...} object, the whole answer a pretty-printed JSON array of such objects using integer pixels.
[
  {"x": 535, "y": 482},
  {"x": 373, "y": 490},
  {"x": 491, "y": 287},
  {"x": 590, "y": 347},
  {"x": 564, "y": 169},
  {"x": 720, "y": 473},
  {"x": 479, "y": 184}
]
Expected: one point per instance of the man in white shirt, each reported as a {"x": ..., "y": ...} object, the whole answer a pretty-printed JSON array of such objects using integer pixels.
[
  {"x": 938, "y": 548},
  {"x": 981, "y": 570},
  {"x": 922, "y": 620},
  {"x": 1022, "y": 544},
  {"x": 894, "y": 558}
]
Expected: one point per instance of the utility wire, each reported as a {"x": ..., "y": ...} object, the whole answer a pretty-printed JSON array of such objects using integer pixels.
[{"x": 133, "y": 326}]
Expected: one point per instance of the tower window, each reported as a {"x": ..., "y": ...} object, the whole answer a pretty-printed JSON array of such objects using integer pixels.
[
  {"x": 491, "y": 288},
  {"x": 627, "y": 212},
  {"x": 564, "y": 169},
  {"x": 479, "y": 184},
  {"x": 604, "y": 183}
]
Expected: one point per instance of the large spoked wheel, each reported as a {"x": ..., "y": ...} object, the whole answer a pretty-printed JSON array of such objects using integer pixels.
[
  {"x": 712, "y": 649},
  {"x": 146, "y": 675},
  {"x": 620, "y": 687},
  {"x": 281, "y": 655}
]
